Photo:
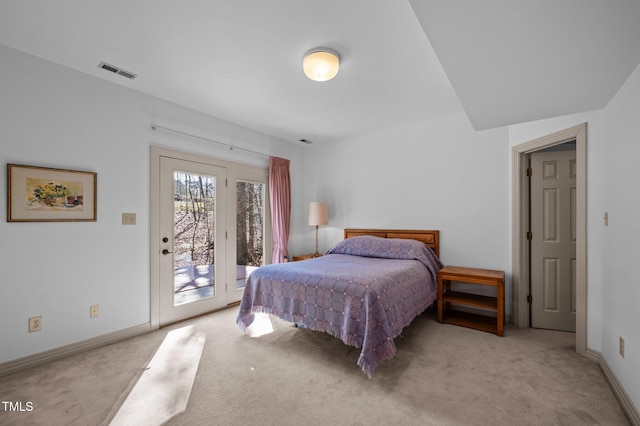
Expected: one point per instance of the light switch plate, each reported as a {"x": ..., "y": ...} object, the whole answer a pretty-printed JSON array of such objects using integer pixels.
[
  {"x": 128, "y": 218},
  {"x": 94, "y": 311}
]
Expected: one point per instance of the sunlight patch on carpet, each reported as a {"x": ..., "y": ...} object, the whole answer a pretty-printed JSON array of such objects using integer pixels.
[
  {"x": 260, "y": 326},
  {"x": 164, "y": 388}
]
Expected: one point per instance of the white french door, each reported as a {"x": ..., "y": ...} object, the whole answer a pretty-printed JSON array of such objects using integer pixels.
[
  {"x": 192, "y": 239},
  {"x": 210, "y": 228}
]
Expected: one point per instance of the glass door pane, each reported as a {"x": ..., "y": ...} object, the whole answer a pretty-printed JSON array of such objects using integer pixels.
[
  {"x": 192, "y": 251},
  {"x": 250, "y": 232},
  {"x": 194, "y": 229}
]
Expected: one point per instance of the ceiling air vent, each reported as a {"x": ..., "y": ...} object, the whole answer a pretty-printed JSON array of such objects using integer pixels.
[{"x": 117, "y": 70}]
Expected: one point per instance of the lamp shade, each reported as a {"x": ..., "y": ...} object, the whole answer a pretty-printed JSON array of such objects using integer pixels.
[
  {"x": 318, "y": 214},
  {"x": 321, "y": 64}
]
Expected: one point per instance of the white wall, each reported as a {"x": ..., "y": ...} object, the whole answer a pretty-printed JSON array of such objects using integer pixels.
[
  {"x": 52, "y": 116},
  {"x": 620, "y": 248},
  {"x": 429, "y": 175}
]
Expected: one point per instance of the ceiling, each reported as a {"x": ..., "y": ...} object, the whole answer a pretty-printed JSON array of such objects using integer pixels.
[{"x": 503, "y": 62}]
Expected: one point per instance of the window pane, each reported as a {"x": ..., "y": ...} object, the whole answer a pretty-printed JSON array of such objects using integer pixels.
[
  {"x": 194, "y": 236},
  {"x": 250, "y": 216}
]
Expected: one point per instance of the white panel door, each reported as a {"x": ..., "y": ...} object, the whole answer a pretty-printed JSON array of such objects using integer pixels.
[
  {"x": 192, "y": 239},
  {"x": 553, "y": 240}
]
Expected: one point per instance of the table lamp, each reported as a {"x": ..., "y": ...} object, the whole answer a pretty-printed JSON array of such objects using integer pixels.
[{"x": 318, "y": 215}]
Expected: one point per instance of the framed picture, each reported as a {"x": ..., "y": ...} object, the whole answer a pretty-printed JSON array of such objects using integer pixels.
[{"x": 40, "y": 194}]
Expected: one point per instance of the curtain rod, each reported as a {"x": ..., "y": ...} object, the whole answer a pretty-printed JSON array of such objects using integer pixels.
[{"x": 231, "y": 147}]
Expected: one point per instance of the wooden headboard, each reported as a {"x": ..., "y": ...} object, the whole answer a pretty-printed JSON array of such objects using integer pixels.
[{"x": 430, "y": 238}]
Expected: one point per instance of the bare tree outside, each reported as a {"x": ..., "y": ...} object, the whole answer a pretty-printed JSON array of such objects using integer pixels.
[
  {"x": 250, "y": 226},
  {"x": 194, "y": 221}
]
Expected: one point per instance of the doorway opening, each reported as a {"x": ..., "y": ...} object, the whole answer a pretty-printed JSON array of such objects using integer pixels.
[{"x": 521, "y": 255}]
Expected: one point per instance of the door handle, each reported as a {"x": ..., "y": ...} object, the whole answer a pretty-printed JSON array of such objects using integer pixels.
[{"x": 166, "y": 252}]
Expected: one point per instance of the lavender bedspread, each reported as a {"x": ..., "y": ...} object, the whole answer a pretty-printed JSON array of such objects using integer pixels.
[{"x": 364, "y": 291}]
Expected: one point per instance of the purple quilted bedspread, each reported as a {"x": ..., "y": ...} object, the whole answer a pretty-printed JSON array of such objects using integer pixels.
[{"x": 364, "y": 291}]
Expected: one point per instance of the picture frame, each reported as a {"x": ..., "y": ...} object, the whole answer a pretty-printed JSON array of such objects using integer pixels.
[{"x": 43, "y": 194}]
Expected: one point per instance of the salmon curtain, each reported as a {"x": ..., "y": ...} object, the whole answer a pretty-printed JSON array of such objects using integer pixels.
[{"x": 280, "y": 196}]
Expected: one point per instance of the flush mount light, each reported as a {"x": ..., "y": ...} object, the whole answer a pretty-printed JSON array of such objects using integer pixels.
[{"x": 321, "y": 64}]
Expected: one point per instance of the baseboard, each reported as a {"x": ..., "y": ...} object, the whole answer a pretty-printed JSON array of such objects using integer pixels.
[
  {"x": 35, "y": 360},
  {"x": 593, "y": 355},
  {"x": 627, "y": 405},
  {"x": 508, "y": 319}
]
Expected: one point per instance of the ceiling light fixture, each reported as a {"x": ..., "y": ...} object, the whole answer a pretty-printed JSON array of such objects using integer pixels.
[{"x": 321, "y": 64}]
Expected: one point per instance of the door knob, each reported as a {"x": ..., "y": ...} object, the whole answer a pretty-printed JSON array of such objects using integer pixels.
[{"x": 165, "y": 252}]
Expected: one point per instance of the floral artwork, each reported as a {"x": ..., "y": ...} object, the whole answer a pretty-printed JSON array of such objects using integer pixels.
[
  {"x": 39, "y": 194},
  {"x": 57, "y": 195}
]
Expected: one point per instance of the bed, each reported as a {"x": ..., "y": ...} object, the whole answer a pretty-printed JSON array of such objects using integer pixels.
[{"x": 364, "y": 290}]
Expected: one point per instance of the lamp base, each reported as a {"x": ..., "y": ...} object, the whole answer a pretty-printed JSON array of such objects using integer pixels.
[{"x": 316, "y": 254}]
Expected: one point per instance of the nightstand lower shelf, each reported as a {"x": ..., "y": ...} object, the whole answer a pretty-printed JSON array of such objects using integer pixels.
[{"x": 469, "y": 320}]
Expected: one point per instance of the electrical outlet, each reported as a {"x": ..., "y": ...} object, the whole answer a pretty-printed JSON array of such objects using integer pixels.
[
  {"x": 35, "y": 323},
  {"x": 621, "y": 346},
  {"x": 606, "y": 218},
  {"x": 94, "y": 311},
  {"x": 128, "y": 218}
]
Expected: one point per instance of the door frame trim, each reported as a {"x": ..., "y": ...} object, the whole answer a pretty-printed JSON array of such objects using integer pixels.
[
  {"x": 154, "y": 234},
  {"x": 520, "y": 217}
]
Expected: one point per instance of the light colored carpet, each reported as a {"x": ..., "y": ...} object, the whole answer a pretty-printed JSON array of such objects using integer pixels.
[{"x": 441, "y": 375}]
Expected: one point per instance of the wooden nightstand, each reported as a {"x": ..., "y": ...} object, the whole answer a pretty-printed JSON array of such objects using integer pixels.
[
  {"x": 446, "y": 297},
  {"x": 303, "y": 257}
]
